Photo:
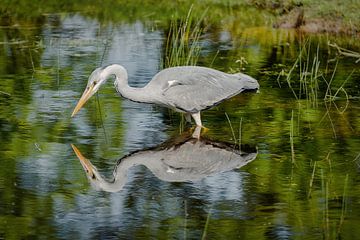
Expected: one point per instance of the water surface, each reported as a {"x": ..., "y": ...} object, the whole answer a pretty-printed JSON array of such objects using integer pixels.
[{"x": 303, "y": 183}]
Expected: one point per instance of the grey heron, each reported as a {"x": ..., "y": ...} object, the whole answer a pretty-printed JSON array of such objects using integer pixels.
[
  {"x": 186, "y": 89},
  {"x": 178, "y": 160}
]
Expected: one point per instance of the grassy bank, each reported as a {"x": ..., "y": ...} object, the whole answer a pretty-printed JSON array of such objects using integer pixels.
[{"x": 332, "y": 16}]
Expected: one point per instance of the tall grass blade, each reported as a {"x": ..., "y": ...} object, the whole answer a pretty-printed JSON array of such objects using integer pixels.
[
  {"x": 292, "y": 137},
  {"x": 206, "y": 226},
  {"x": 183, "y": 41},
  {"x": 232, "y": 129},
  {"x": 312, "y": 180},
  {"x": 343, "y": 205}
]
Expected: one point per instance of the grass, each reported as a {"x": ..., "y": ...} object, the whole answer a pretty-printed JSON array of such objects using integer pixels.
[
  {"x": 357, "y": 158},
  {"x": 231, "y": 128},
  {"x": 343, "y": 204},
  {"x": 331, "y": 194},
  {"x": 325, "y": 194},
  {"x": 312, "y": 180},
  {"x": 183, "y": 44},
  {"x": 309, "y": 77},
  {"x": 327, "y": 114},
  {"x": 345, "y": 52},
  {"x": 183, "y": 41},
  {"x": 329, "y": 97},
  {"x": 206, "y": 226},
  {"x": 306, "y": 75},
  {"x": 331, "y": 16},
  {"x": 292, "y": 137},
  {"x": 5, "y": 93},
  {"x": 240, "y": 133},
  {"x": 238, "y": 140}
]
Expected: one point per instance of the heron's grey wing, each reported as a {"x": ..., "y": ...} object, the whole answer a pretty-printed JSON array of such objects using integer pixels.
[
  {"x": 192, "y": 161},
  {"x": 202, "y": 88}
]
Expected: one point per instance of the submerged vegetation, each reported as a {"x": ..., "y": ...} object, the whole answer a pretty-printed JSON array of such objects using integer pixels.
[{"x": 307, "y": 73}]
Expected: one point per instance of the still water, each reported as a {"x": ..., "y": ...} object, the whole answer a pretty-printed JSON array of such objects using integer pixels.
[{"x": 271, "y": 165}]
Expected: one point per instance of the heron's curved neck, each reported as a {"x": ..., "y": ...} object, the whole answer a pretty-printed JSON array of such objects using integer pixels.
[
  {"x": 114, "y": 185},
  {"x": 119, "y": 175},
  {"x": 122, "y": 86},
  {"x": 119, "y": 178}
]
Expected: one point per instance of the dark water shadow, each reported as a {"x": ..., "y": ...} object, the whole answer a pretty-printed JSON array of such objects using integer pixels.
[{"x": 180, "y": 159}]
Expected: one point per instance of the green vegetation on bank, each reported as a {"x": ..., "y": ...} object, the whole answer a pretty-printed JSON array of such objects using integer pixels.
[{"x": 309, "y": 15}]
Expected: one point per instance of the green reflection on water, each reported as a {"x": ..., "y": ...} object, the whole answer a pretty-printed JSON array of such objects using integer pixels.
[{"x": 300, "y": 199}]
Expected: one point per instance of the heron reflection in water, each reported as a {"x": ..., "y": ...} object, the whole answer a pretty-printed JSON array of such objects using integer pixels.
[
  {"x": 179, "y": 160},
  {"x": 185, "y": 89}
]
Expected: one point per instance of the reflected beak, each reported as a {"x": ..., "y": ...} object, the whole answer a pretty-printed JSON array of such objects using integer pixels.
[
  {"x": 88, "y": 167},
  {"x": 85, "y": 96}
]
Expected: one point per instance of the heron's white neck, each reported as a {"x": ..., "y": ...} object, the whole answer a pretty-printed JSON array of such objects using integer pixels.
[
  {"x": 114, "y": 185},
  {"x": 119, "y": 174},
  {"x": 122, "y": 86}
]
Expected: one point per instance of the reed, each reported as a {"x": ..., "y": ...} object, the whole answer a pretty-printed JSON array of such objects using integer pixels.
[
  {"x": 329, "y": 83},
  {"x": 312, "y": 180},
  {"x": 183, "y": 44},
  {"x": 357, "y": 160},
  {"x": 5, "y": 93},
  {"x": 308, "y": 74},
  {"x": 310, "y": 77},
  {"x": 290, "y": 74},
  {"x": 105, "y": 51},
  {"x": 327, "y": 114},
  {"x": 345, "y": 52},
  {"x": 32, "y": 61},
  {"x": 329, "y": 97},
  {"x": 231, "y": 128},
  {"x": 343, "y": 204},
  {"x": 325, "y": 194},
  {"x": 206, "y": 226},
  {"x": 240, "y": 133},
  {"x": 183, "y": 41},
  {"x": 292, "y": 137}
]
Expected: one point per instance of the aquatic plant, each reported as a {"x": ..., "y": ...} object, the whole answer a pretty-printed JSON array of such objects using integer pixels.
[
  {"x": 231, "y": 128},
  {"x": 183, "y": 41},
  {"x": 345, "y": 52},
  {"x": 292, "y": 137},
  {"x": 309, "y": 80},
  {"x": 183, "y": 45},
  {"x": 309, "y": 73},
  {"x": 206, "y": 226}
]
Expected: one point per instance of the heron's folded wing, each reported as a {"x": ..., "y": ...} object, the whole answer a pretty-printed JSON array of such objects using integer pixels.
[{"x": 198, "y": 91}]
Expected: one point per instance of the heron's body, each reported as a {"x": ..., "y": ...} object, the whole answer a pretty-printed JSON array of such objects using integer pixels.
[
  {"x": 187, "y": 89},
  {"x": 173, "y": 161}
]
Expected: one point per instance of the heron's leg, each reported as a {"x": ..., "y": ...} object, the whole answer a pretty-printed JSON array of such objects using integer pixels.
[
  {"x": 188, "y": 117},
  {"x": 197, "y": 132},
  {"x": 197, "y": 118}
]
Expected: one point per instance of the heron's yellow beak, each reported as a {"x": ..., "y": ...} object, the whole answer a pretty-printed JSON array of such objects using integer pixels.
[
  {"x": 88, "y": 167},
  {"x": 85, "y": 96}
]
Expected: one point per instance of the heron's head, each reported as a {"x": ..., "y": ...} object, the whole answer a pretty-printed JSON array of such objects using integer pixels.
[
  {"x": 96, "y": 79},
  {"x": 96, "y": 180},
  {"x": 90, "y": 170}
]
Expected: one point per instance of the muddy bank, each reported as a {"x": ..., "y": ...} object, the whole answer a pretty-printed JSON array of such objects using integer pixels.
[
  {"x": 332, "y": 16},
  {"x": 297, "y": 18}
]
